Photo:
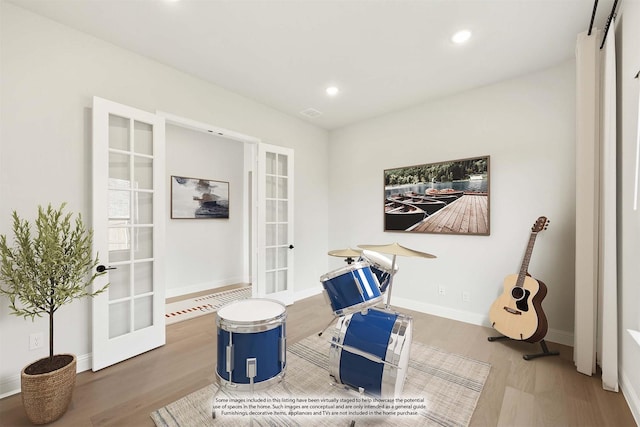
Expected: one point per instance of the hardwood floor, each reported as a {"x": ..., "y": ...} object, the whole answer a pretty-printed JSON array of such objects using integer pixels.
[{"x": 542, "y": 392}]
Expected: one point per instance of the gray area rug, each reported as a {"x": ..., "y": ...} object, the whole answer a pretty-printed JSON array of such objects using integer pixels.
[{"x": 441, "y": 389}]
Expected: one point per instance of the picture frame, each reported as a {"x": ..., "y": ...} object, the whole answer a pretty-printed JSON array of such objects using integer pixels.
[
  {"x": 449, "y": 197},
  {"x": 198, "y": 198}
]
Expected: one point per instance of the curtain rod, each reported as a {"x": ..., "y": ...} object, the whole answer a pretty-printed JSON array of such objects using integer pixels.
[
  {"x": 593, "y": 16},
  {"x": 606, "y": 28}
]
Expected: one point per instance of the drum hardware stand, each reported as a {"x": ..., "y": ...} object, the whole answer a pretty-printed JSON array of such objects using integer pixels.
[
  {"x": 328, "y": 324},
  {"x": 393, "y": 273},
  {"x": 328, "y": 301},
  {"x": 364, "y": 354},
  {"x": 543, "y": 344}
]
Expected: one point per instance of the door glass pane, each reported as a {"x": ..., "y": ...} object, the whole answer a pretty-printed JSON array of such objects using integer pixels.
[
  {"x": 282, "y": 256},
  {"x": 270, "y": 165},
  {"x": 282, "y": 188},
  {"x": 119, "y": 282},
  {"x": 119, "y": 243},
  {"x": 143, "y": 275},
  {"x": 119, "y": 204},
  {"x": 143, "y": 243},
  {"x": 119, "y": 318},
  {"x": 143, "y": 138},
  {"x": 143, "y": 173},
  {"x": 118, "y": 133},
  {"x": 270, "y": 279},
  {"x": 143, "y": 312},
  {"x": 282, "y": 280},
  {"x": 270, "y": 258},
  {"x": 270, "y": 187},
  {"x": 119, "y": 169},
  {"x": 144, "y": 205},
  {"x": 282, "y": 165},
  {"x": 271, "y": 211},
  {"x": 271, "y": 237},
  {"x": 283, "y": 211},
  {"x": 283, "y": 239}
]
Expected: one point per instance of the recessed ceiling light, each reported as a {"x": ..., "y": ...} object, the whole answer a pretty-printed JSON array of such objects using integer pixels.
[
  {"x": 461, "y": 36},
  {"x": 332, "y": 91}
]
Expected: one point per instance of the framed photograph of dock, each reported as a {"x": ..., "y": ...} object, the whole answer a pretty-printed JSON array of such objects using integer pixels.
[
  {"x": 450, "y": 197},
  {"x": 193, "y": 198}
]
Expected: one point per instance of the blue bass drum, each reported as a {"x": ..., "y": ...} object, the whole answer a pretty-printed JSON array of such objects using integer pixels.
[
  {"x": 370, "y": 353},
  {"x": 351, "y": 288},
  {"x": 251, "y": 344}
]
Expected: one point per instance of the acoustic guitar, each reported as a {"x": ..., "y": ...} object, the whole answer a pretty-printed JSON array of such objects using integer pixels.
[{"x": 517, "y": 313}]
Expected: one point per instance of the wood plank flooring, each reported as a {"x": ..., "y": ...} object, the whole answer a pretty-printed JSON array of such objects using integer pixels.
[
  {"x": 468, "y": 214},
  {"x": 542, "y": 392}
]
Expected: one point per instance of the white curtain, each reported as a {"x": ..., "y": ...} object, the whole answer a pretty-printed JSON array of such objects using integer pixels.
[
  {"x": 608, "y": 277},
  {"x": 595, "y": 336}
]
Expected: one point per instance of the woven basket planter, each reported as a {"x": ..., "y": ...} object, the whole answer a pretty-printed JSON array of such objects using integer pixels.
[{"x": 46, "y": 397}]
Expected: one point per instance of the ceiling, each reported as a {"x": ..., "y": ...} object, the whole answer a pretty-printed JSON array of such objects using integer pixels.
[{"x": 383, "y": 55}]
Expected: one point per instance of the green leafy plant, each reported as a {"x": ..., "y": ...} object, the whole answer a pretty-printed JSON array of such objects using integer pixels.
[{"x": 42, "y": 272}]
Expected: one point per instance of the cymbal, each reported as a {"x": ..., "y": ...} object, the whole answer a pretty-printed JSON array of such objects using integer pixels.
[
  {"x": 396, "y": 249},
  {"x": 345, "y": 252}
]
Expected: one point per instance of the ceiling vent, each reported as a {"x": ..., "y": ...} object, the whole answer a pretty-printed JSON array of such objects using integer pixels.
[{"x": 311, "y": 113}]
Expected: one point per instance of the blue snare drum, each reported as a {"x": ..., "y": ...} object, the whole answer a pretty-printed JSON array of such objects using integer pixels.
[
  {"x": 251, "y": 343},
  {"x": 381, "y": 266},
  {"x": 351, "y": 288},
  {"x": 370, "y": 353}
]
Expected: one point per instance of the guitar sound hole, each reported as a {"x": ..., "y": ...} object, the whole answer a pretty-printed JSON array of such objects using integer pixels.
[
  {"x": 517, "y": 293},
  {"x": 521, "y": 296}
]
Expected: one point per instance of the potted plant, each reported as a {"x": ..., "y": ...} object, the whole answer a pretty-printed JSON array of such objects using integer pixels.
[{"x": 38, "y": 274}]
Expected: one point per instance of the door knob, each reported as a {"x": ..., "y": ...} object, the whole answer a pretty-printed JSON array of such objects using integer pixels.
[{"x": 102, "y": 268}]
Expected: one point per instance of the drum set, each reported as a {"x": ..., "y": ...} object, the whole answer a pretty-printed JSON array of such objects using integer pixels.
[{"x": 369, "y": 343}]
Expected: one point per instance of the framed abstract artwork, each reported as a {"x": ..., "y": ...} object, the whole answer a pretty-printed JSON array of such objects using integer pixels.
[{"x": 193, "y": 198}]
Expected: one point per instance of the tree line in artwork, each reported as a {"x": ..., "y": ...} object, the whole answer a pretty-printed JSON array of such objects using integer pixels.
[{"x": 436, "y": 172}]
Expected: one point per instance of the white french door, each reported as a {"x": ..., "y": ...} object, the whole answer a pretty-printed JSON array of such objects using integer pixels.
[
  {"x": 128, "y": 224},
  {"x": 275, "y": 223}
]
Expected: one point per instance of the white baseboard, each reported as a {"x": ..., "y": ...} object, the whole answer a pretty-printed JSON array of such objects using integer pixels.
[
  {"x": 201, "y": 287},
  {"x": 631, "y": 396},
  {"x": 553, "y": 335},
  {"x": 11, "y": 385},
  {"x": 306, "y": 293},
  {"x": 440, "y": 311}
]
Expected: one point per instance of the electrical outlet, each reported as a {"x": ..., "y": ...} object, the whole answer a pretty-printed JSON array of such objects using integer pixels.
[
  {"x": 36, "y": 340},
  {"x": 441, "y": 290},
  {"x": 465, "y": 296}
]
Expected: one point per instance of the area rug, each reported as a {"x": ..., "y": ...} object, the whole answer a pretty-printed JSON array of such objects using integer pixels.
[
  {"x": 194, "y": 307},
  {"x": 441, "y": 389}
]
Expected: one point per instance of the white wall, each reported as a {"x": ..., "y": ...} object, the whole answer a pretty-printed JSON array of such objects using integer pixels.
[
  {"x": 203, "y": 254},
  {"x": 527, "y": 126},
  {"x": 49, "y": 75},
  {"x": 628, "y": 61}
]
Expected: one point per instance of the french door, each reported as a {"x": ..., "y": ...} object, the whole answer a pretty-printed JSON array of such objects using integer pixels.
[
  {"x": 128, "y": 215},
  {"x": 275, "y": 223}
]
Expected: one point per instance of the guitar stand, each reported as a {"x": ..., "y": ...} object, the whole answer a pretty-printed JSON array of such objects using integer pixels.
[{"x": 543, "y": 344}]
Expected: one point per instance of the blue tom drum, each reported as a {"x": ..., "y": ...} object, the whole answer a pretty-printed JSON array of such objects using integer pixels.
[
  {"x": 351, "y": 288},
  {"x": 370, "y": 353},
  {"x": 251, "y": 343}
]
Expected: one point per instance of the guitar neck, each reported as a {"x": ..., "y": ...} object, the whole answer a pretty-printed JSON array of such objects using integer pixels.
[{"x": 524, "y": 268}]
